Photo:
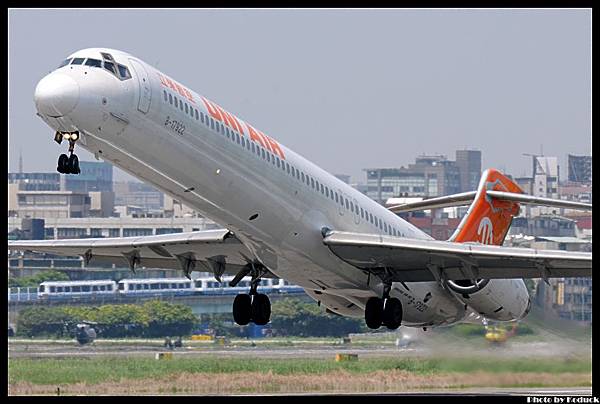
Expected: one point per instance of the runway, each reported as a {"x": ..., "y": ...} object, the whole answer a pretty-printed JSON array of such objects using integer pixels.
[{"x": 204, "y": 378}]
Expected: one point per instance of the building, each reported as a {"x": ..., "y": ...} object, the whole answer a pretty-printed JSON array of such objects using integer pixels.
[
  {"x": 469, "y": 166},
  {"x": 36, "y": 181},
  {"x": 95, "y": 176},
  {"x": 429, "y": 176},
  {"x": 580, "y": 168},
  {"x": 138, "y": 194},
  {"x": 60, "y": 228},
  {"x": 47, "y": 204},
  {"x": 569, "y": 298},
  {"x": 544, "y": 225}
]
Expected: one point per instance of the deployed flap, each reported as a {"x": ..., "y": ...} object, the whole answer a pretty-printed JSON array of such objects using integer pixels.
[
  {"x": 411, "y": 260},
  {"x": 172, "y": 251}
]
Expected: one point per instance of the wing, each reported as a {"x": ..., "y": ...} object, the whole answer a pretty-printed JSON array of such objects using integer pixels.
[
  {"x": 410, "y": 260},
  {"x": 217, "y": 251}
]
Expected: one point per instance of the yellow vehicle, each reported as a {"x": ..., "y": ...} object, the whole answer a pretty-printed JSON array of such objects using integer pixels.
[{"x": 498, "y": 334}]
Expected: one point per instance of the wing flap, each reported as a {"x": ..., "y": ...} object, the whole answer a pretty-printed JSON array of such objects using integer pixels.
[
  {"x": 160, "y": 251},
  {"x": 411, "y": 260}
]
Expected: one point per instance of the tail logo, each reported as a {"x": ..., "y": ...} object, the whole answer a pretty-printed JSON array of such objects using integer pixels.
[{"x": 486, "y": 231}]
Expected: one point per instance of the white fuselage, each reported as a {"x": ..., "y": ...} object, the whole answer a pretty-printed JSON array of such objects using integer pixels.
[{"x": 270, "y": 197}]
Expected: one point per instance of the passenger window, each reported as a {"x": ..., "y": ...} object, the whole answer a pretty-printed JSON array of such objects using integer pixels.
[
  {"x": 351, "y": 207},
  {"x": 110, "y": 66},
  {"x": 287, "y": 167},
  {"x": 371, "y": 217},
  {"x": 124, "y": 72},
  {"x": 243, "y": 142},
  {"x": 237, "y": 137},
  {"x": 170, "y": 99},
  {"x": 212, "y": 124},
  {"x": 196, "y": 114},
  {"x": 302, "y": 174},
  {"x": 322, "y": 189},
  {"x": 347, "y": 206},
  {"x": 247, "y": 144},
  {"x": 336, "y": 198},
  {"x": 227, "y": 133},
  {"x": 175, "y": 102},
  {"x": 268, "y": 157},
  {"x": 293, "y": 171},
  {"x": 186, "y": 108},
  {"x": 263, "y": 153},
  {"x": 201, "y": 117},
  {"x": 385, "y": 227},
  {"x": 77, "y": 61},
  {"x": 181, "y": 105},
  {"x": 165, "y": 95},
  {"x": 278, "y": 164},
  {"x": 327, "y": 192},
  {"x": 253, "y": 151},
  {"x": 93, "y": 62}
]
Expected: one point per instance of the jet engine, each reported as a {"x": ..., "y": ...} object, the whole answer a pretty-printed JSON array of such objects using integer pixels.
[{"x": 497, "y": 299}]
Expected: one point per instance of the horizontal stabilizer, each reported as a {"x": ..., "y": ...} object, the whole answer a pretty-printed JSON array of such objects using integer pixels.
[{"x": 465, "y": 198}]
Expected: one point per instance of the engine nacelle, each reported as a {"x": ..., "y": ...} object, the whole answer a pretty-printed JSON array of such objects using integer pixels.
[{"x": 497, "y": 299}]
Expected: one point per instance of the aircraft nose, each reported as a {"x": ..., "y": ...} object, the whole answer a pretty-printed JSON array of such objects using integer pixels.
[{"x": 56, "y": 95}]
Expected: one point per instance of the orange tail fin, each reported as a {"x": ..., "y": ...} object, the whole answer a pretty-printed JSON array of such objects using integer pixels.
[{"x": 487, "y": 221}]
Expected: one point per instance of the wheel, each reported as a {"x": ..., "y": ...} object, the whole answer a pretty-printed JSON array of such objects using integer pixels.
[
  {"x": 73, "y": 165},
  {"x": 261, "y": 309},
  {"x": 63, "y": 160},
  {"x": 374, "y": 312},
  {"x": 241, "y": 309},
  {"x": 392, "y": 313}
]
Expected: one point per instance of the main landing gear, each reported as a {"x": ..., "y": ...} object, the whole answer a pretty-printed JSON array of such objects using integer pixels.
[
  {"x": 255, "y": 307},
  {"x": 68, "y": 164},
  {"x": 383, "y": 311}
]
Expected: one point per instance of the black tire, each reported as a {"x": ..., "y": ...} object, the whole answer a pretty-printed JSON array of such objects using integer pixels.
[
  {"x": 374, "y": 313},
  {"x": 63, "y": 161},
  {"x": 392, "y": 313},
  {"x": 73, "y": 164},
  {"x": 241, "y": 309},
  {"x": 261, "y": 309}
]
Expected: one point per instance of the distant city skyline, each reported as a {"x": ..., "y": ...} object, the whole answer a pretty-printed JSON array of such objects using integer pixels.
[{"x": 360, "y": 89}]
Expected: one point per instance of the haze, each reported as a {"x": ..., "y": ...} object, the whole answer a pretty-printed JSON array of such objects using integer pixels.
[{"x": 347, "y": 89}]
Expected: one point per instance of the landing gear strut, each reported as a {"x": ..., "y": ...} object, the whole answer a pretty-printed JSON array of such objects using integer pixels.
[
  {"x": 255, "y": 307},
  {"x": 68, "y": 164},
  {"x": 384, "y": 311}
]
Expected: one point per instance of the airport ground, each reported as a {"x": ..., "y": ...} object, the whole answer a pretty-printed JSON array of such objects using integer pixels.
[{"x": 551, "y": 360}]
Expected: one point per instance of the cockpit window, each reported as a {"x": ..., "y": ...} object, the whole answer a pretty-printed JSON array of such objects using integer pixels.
[
  {"x": 124, "y": 72},
  {"x": 93, "y": 62},
  {"x": 64, "y": 63},
  {"x": 110, "y": 66},
  {"x": 77, "y": 61},
  {"x": 107, "y": 56}
]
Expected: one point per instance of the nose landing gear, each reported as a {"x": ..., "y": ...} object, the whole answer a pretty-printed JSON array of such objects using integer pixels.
[{"x": 68, "y": 164}]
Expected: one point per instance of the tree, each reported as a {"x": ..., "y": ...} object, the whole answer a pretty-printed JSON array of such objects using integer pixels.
[
  {"x": 35, "y": 280},
  {"x": 297, "y": 317}
]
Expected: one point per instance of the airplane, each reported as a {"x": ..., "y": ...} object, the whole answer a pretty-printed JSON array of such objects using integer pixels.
[{"x": 281, "y": 215}]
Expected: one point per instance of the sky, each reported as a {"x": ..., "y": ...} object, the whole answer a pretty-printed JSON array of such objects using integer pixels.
[{"x": 346, "y": 89}]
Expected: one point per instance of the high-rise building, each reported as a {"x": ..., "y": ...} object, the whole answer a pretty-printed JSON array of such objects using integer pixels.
[
  {"x": 580, "y": 168},
  {"x": 429, "y": 176},
  {"x": 469, "y": 166}
]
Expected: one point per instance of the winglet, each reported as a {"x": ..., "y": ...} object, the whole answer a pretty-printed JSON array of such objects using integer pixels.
[{"x": 488, "y": 219}]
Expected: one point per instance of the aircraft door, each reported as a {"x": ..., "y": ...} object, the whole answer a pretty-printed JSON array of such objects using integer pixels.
[
  {"x": 356, "y": 212},
  {"x": 145, "y": 90}
]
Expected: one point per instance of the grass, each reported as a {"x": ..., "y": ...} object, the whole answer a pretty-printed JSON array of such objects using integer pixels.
[{"x": 92, "y": 371}]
